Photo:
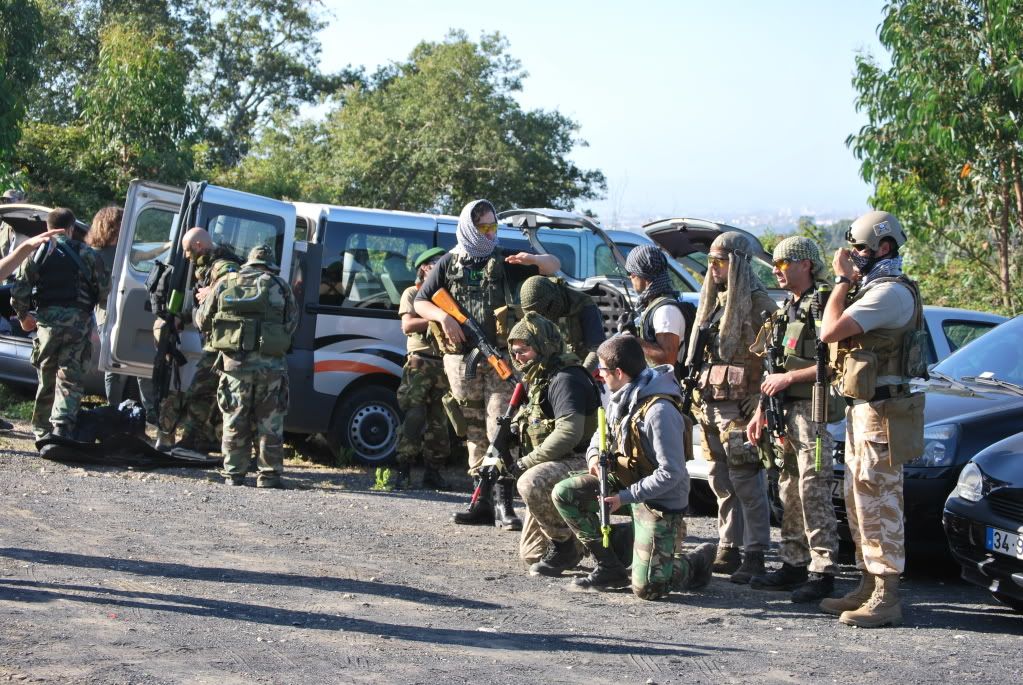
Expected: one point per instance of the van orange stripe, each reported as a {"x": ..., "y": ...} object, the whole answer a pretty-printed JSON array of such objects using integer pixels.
[{"x": 328, "y": 365}]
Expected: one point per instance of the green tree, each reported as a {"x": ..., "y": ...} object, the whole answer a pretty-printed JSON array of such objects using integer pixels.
[
  {"x": 432, "y": 133},
  {"x": 21, "y": 32},
  {"x": 943, "y": 140}
]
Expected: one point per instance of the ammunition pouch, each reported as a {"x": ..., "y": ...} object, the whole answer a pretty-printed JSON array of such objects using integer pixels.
[
  {"x": 453, "y": 408},
  {"x": 725, "y": 382},
  {"x": 858, "y": 374},
  {"x": 904, "y": 424}
]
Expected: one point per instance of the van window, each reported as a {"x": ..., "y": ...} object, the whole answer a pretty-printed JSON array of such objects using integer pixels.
[
  {"x": 369, "y": 267},
  {"x": 242, "y": 233},
  {"x": 152, "y": 237}
]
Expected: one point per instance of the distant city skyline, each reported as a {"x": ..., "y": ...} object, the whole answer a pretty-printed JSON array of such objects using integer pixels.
[{"x": 736, "y": 111}]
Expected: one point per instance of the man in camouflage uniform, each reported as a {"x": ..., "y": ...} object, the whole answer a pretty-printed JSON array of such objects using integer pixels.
[
  {"x": 878, "y": 327},
  {"x": 482, "y": 279},
  {"x": 65, "y": 282},
  {"x": 249, "y": 317},
  {"x": 555, "y": 425},
  {"x": 575, "y": 313},
  {"x": 194, "y": 410},
  {"x": 733, "y": 304},
  {"x": 422, "y": 390},
  {"x": 644, "y": 426},
  {"x": 809, "y": 534}
]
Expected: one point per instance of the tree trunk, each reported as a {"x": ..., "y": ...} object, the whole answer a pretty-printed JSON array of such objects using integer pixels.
[{"x": 1004, "y": 275}]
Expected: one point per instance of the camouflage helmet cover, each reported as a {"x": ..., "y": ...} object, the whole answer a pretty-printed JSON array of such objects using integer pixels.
[{"x": 262, "y": 255}]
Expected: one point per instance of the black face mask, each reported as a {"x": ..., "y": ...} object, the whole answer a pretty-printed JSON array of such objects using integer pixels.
[{"x": 863, "y": 264}]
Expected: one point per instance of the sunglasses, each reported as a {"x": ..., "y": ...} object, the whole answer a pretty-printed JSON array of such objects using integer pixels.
[
  {"x": 719, "y": 262},
  {"x": 782, "y": 264},
  {"x": 487, "y": 229}
]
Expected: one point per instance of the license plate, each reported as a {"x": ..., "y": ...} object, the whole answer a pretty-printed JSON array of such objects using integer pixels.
[
  {"x": 838, "y": 489},
  {"x": 1003, "y": 542}
]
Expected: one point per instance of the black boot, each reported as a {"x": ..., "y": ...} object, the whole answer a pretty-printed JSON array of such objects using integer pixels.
[
  {"x": 788, "y": 577},
  {"x": 609, "y": 574},
  {"x": 559, "y": 557},
  {"x": 752, "y": 566},
  {"x": 479, "y": 513},
  {"x": 819, "y": 586},
  {"x": 504, "y": 512},
  {"x": 404, "y": 479},
  {"x": 433, "y": 479}
]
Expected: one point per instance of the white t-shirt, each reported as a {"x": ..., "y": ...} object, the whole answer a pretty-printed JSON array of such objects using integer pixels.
[
  {"x": 669, "y": 319},
  {"x": 885, "y": 305}
]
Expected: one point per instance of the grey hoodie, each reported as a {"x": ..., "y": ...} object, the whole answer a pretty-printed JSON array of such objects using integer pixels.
[{"x": 667, "y": 488}]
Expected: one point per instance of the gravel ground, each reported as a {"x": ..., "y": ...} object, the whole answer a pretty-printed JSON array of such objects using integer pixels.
[{"x": 115, "y": 576}]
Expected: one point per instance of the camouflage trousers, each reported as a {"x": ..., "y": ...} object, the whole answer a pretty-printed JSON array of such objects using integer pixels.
[
  {"x": 254, "y": 404},
  {"x": 483, "y": 399},
  {"x": 425, "y": 428},
  {"x": 542, "y": 522},
  {"x": 809, "y": 534},
  {"x": 736, "y": 476},
  {"x": 658, "y": 565},
  {"x": 194, "y": 409},
  {"x": 61, "y": 356},
  {"x": 873, "y": 492}
]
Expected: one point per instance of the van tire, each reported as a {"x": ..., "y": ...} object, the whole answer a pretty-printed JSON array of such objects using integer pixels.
[{"x": 366, "y": 425}]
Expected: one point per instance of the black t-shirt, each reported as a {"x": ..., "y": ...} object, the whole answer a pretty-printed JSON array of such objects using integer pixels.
[
  {"x": 437, "y": 278},
  {"x": 592, "y": 323},
  {"x": 571, "y": 391}
]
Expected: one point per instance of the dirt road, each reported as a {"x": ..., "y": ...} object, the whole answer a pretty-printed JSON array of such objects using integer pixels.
[{"x": 112, "y": 576}]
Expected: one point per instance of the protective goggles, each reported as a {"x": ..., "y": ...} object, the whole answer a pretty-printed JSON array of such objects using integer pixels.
[{"x": 487, "y": 229}]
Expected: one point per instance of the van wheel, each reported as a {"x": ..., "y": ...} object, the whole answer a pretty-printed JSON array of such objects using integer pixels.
[{"x": 367, "y": 424}]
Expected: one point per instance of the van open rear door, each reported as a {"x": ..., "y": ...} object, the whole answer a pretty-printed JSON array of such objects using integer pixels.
[{"x": 152, "y": 231}]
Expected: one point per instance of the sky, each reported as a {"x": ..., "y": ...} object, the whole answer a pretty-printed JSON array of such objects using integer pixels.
[{"x": 727, "y": 110}]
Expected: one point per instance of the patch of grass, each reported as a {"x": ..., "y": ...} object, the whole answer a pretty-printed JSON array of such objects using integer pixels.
[
  {"x": 383, "y": 479},
  {"x": 16, "y": 402}
]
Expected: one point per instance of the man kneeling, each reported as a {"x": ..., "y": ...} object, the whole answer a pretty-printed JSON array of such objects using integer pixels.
[{"x": 648, "y": 472}]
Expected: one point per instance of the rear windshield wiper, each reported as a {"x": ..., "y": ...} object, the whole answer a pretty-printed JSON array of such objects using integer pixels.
[
  {"x": 991, "y": 380},
  {"x": 951, "y": 381}
]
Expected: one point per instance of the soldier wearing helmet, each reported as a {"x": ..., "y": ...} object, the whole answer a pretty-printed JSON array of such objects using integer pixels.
[
  {"x": 733, "y": 304},
  {"x": 422, "y": 389},
  {"x": 875, "y": 316},
  {"x": 809, "y": 536}
]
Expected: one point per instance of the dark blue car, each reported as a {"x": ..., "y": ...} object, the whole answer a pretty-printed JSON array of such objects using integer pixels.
[{"x": 984, "y": 521}]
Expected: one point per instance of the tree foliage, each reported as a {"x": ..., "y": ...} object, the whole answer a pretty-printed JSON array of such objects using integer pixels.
[
  {"x": 432, "y": 133},
  {"x": 21, "y": 31},
  {"x": 943, "y": 141}
]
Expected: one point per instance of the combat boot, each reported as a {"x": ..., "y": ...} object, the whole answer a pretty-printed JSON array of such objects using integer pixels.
[
  {"x": 608, "y": 574},
  {"x": 404, "y": 479},
  {"x": 434, "y": 479},
  {"x": 480, "y": 512},
  {"x": 788, "y": 577},
  {"x": 700, "y": 564},
  {"x": 560, "y": 556},
  {"x": 884, "y": 608},
  {"x": 6, "y": 425},
  {"x": 61, "y": 431},
  {"x": 164, "y": 441},
  {"x": 854, "y": 600},
  {"x": 819, "y": 586},
  {"x": 727, "y": 560},
  {"x": 504, "y": 512},
  {"x": 752, "y": 566}
]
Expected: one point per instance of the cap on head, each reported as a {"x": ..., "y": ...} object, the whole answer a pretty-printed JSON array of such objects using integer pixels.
[
  {"x": 262, "y": 255},
  {"x": 873, "y": 227},
  {"x": 13, "y": 195},
  {"x": 428, "y": 256}
]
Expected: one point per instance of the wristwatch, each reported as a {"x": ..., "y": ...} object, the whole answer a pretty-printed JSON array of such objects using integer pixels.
[{"x": 842, "y": 279}]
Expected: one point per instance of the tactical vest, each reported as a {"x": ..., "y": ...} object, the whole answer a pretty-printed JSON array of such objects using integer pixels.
[
  {"x": 63, "y": 281},
  {"x": 571, "y": 325},
  {"x": 799, "y": 343},
  {"x": 424, "y": 342},
  {"x": 251, "y": 309},
  {"x": 535, "y": 420},
  {"x": 861, "y": 360},
  {"x": 634, "y": 463},
  {"x": 739, "y": 377},
  {"x": 481, "y": 292}
]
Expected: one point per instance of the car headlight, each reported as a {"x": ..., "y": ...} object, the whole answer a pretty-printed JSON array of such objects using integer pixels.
[
  {"x": 939, "y": 446},
  {"x": 971, "y": 483}
]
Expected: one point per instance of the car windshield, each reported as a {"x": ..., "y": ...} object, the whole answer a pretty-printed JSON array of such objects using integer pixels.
[{"x": 994, "y": 355}]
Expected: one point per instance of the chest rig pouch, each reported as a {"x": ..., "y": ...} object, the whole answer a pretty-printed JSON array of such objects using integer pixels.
[
  {"x": 484, "y": 293},
  {"x": 635, "y": 462},
  {"x": 249, "y": 318}
]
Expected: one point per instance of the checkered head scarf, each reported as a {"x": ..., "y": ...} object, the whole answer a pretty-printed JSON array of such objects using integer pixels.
[
  {"x": 542, "y": 295},
  {"x": 738, "y": 305},
  {"x": 470, "y": 241},
  {"x": 797, "y": 248},
  {"x": 647, "y": 261}
]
